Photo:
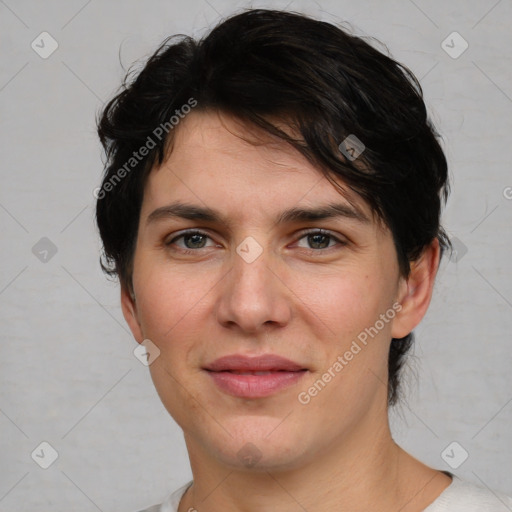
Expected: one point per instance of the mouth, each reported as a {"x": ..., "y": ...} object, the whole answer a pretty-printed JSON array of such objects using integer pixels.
[
  {"x": 241, "y": 372},
  {"x": 254, "y": 377}
]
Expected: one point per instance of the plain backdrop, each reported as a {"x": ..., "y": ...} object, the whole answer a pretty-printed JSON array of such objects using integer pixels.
[{"x": 68, "y": 375}]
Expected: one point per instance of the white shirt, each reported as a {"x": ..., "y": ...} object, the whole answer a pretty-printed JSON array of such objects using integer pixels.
[{"x": 459, "y": 496}]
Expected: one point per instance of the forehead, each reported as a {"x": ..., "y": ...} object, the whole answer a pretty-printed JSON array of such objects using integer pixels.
[{"x": 216, "y": 159}]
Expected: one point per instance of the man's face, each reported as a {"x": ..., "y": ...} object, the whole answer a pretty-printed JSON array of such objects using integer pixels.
[{"x": 255, "y": 284}]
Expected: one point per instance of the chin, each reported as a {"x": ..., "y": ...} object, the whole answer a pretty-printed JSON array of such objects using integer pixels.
[
  {"x": 260, "y": 457},
  {"x": 257, "y": 445}
]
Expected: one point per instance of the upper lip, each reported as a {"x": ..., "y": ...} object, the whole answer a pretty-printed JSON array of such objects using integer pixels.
[{"x": 266, "y": 362}]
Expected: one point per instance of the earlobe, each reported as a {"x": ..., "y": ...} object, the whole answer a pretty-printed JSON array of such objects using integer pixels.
[
  {"x": 415, "y": 292},
  {"x": 129, "y": 307}
]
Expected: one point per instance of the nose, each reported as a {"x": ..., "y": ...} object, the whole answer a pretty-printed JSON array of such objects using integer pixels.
[{"x": 253, "y": 294}]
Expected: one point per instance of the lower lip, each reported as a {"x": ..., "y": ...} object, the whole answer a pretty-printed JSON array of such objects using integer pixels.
[{"x": 255, "y": 386}]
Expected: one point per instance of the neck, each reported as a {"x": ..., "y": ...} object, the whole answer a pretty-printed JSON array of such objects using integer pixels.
[{"x": 352, "y": 474}]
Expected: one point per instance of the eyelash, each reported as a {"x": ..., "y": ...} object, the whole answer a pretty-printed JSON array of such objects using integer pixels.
[{"x": 304, "y": 235}]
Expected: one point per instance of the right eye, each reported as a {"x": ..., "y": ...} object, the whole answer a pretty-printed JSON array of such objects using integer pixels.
[{"x": 193, "y": 240}]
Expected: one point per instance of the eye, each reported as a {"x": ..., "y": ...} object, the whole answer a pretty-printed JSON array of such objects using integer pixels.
[
  {"x": 319, "y": 240},
  {"x": 192, "y": 239}
]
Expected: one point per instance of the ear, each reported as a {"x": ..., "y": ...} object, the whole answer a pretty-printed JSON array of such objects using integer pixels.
[
  {"x": 129, "y": 307},
  {"x": 415, "y": 292}
]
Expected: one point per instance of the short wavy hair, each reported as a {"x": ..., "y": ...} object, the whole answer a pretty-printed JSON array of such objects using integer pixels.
[{"x": 264, "y": 65}]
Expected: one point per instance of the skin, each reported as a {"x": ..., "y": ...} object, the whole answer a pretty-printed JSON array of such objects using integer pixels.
[{"x": 302, "y": 301}]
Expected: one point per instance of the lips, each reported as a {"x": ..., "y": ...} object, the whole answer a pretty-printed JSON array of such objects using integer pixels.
[
  {"x": 264, "y": 363},
  {"x": 254, "y": 377}
]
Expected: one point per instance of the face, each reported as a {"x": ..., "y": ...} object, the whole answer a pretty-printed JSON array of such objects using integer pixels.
[{"x": 252, "y": 280}]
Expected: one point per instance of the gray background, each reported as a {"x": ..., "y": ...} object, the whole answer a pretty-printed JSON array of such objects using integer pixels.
[{"x": 68, "y": 375}]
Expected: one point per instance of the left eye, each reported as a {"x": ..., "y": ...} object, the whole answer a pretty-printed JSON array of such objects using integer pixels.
[{"x": 317, "y": 240}]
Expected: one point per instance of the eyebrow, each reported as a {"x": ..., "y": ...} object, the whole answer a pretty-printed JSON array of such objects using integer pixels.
[{"x": 296, "y": 214}]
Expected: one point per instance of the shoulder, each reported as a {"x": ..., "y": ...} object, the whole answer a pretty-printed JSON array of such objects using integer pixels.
[
  {"x": 171, "y": 503},
  {"x": 462, "y": 496},
  {"x": 459, "y": 496}
]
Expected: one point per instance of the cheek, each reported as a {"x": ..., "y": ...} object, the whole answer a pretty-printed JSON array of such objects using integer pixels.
[
  {"x": 169, "y": 300},
  {"x": 358, "y": 338},
  {"x": 346, "y": 302},
  {"x": 171, "y": 315}
]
